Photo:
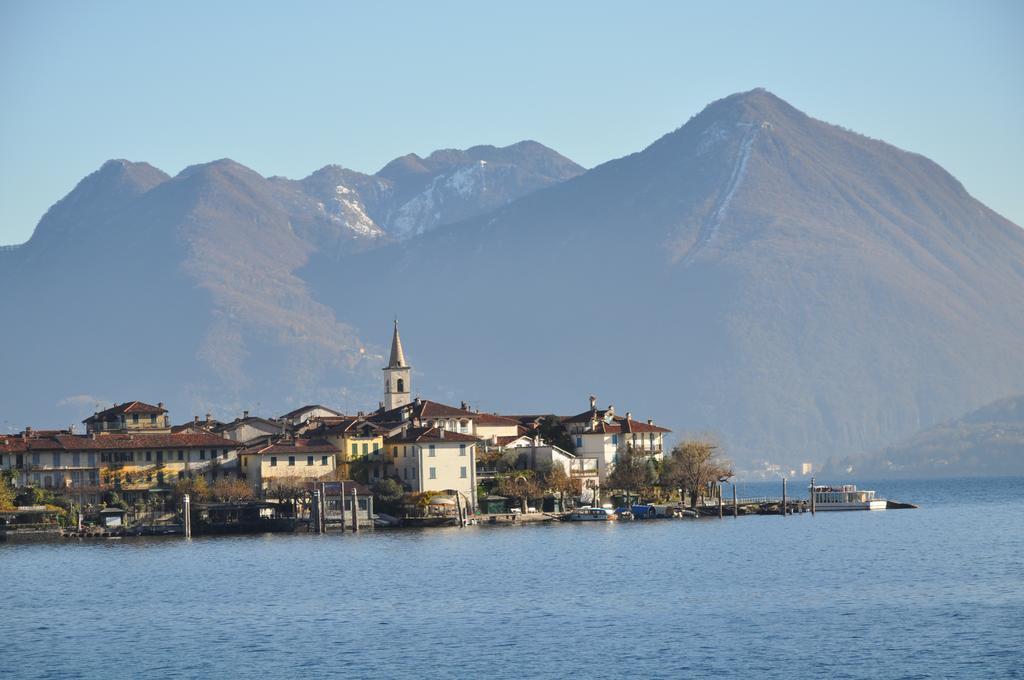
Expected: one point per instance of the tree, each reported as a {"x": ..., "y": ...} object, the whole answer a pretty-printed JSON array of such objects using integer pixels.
[
  {"x": 7, "y": 492},
  {"x": 552, "y": 431},
  {"x": 388, "y": 494},
  {"x": 520, "y": 484},
  {"x": 633, "y": 471},
  {"x": 289, "y": 489},
  {"x": 197, "y": 488},
  {"x": 231, "y": 491},
  {"x": 693, "y": 466},
  {"x": 556, "y": 480}
]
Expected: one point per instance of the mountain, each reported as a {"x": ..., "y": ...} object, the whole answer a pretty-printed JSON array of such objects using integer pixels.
[
  {"x": 797, "y": 289},
  {"x": 139, "y": 282},
  {"x": 985, "y": 442},
  {"x": 793, "y": 287}
]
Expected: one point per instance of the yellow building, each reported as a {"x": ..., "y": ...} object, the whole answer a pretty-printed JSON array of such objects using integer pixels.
[
  {"x": 300, "y": 459},
  {"x": 356, "y": 440}
]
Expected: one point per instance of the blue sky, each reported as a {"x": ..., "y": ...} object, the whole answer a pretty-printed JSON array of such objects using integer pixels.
[{"x": 286, "y": 89}]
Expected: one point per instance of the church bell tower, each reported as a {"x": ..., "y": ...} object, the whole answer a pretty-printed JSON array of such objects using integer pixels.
[{"x": 396, "y": 380}]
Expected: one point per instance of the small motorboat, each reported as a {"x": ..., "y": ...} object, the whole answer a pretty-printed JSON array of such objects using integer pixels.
[{"x": 588, "y": 514}]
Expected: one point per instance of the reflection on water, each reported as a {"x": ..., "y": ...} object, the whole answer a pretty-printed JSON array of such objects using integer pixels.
[{"x": 932, "y": 592}]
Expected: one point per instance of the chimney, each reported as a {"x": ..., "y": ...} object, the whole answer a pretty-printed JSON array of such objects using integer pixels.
[
  {"x": 208, "y": 418},
  {"x": 463, "y": 406},
  {"x": 245, "y": 414},
  {"x": 629, "y": 416},
  {"x": 650, "y": 421},
  {"x": 160, "y": 404},
  {"x": 195, "y": 420},
  {"x": 611, "y": 409},
  {"x": 360, "y": 414},
  {"x": 593, "y": 402},
  {"x": 28, "y": 430}
]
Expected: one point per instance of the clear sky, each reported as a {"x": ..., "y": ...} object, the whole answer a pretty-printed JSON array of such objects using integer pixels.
[{"x": 286, "y": 88}]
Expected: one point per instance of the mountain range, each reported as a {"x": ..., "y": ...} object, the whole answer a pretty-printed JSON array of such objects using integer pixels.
[
  {"x": 987, "y": 442},
  {"x": 799, "y": 290}
]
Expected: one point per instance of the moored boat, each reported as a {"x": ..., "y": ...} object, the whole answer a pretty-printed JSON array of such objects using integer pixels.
[
  {"x": 846, "y": 497},
  {"x": 587, "y": 514}
]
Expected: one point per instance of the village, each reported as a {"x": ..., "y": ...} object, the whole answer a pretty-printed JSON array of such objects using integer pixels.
[{"x": 411, "y": 462}]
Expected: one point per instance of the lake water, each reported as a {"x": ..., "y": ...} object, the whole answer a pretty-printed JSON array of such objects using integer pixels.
[{"x": 934, "y": 592}]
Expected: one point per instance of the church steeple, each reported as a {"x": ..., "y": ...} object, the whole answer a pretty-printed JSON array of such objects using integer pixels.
[
  {"x": 397, "y": 355},
  {"x": 397, "y": 386}
]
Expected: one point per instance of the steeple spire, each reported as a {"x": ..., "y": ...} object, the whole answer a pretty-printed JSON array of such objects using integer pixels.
[
  {"x": 397, "y": 375},
  {"x": 397, "y": 355}
]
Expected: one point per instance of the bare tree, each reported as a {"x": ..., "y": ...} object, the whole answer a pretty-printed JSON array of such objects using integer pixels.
[{"x": 693, "y": 466}]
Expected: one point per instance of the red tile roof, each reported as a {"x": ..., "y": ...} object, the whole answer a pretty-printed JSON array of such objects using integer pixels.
[
  {"x": 429, "y": 434},
  {"x": 144, "y": 441},
  {"x": 125, "y": 408},
  {"x": 300, "y": 447}
]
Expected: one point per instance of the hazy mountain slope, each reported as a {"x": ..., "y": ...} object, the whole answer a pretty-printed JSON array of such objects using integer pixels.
[
  {"x": 988, "y": 441},
  {"x": 801, "y": 289},
  {"x": 185, "y": 289}
]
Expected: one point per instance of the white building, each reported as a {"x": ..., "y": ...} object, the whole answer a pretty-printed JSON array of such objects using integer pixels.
[
  {"x": 433, "y": 459},
  {"x": 599, "y": 434}
]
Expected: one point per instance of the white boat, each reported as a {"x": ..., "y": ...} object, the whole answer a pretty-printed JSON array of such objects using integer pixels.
[
  {"x": 846, "y": 497},
  {"x": 587, "y": 514}
]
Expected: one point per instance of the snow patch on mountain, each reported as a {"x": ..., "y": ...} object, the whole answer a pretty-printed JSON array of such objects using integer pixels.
[
  {"x": 710, "y": 229},
  {"x": 348, "y": 210}
]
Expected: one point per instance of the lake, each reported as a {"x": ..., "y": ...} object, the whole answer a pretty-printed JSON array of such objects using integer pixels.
[{"x": 934, "y": 592}]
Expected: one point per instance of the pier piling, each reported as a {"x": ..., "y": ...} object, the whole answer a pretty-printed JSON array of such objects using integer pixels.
[{"x": 783, "y": 496}]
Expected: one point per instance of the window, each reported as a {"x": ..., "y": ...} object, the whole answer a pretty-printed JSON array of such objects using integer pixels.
[
  {"x": 149, "y": 455},
  {"x": 309, "y": 460},
  {"x": 395, "y": 451},
  {"x": 273, "y": 461},
  {"x": 462, "y": 450},
  {"x": 291, "y": 460},
  {"x": 56, "y": 460},
  {"x": 91, "y": 458},
  {"x": 366, "y": 448},
  {"x": 35, "y": 459},
  {"x": 181, "y": 455},
  {"x": 135, "y": 418},
  {"x": 401, "y": 385},
  {"x": 579, "y": 442},
  {"x": 152, "y": 419},
  {"x": 433, "y": 473},
  {"x": 405, "y": 451},
  {"x": 462, "y": 472},
  {"x": 323, "y": 461},
  {"x": 433, "y": 453},
  {"x": 355, "y": 449},
  {"x": 202, "y": 454},
  {"x": 76, "y": 459},
  {"x": 414, "y": 473},
  {"x": 224, "y": 453}
]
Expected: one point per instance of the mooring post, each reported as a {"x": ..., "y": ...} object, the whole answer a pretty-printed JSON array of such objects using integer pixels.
[
  {"x": 186, "y": 514},
  {"x": 355, "y": 511},
  {"x": 735, "y": 503},
  {"x": 720, "y": 503},
  {"x": 813, "y": 499},
  {"x": 369, "y": 505},
  {"x": 314, "y": 512},
  {"x": 783, "y": 496}
]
